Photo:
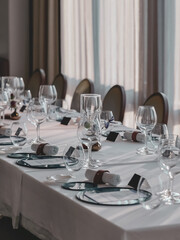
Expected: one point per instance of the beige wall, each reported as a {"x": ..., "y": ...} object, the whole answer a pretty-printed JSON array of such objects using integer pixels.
[
  {"x": 14, "y": 35},
  {"x": 4, "y": 28}
]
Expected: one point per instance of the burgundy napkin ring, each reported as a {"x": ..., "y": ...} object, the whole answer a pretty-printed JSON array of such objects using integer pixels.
[
  {"x": 134, "y": 134},
  {"x": 40, "y": 149},
  {"x": 98, "y": 176}
]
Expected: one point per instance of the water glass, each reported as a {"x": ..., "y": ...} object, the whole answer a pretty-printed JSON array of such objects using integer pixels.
[
  {"x": 146, "y": 119},
  {"x": 18, "y": 134},
  {"x": 74, "y": 157},
  {"x": 4, "y": 101},
  {"x": 90, "y": 103},
  {"x": 148, "y": 189},
  {"x": 39, "y": 115},
  {"x": 106, "y": 118},
  {"x": 47, "y": 95},
  {"x": 169, "y": 157},
  {"x": 158, "y": 134}
]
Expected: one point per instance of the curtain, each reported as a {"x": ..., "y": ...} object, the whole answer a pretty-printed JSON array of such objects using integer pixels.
[
  {"x": 131, "y": 43},
  {"x": 44, "y": 42},
  {"x": 100, "y": 41}
]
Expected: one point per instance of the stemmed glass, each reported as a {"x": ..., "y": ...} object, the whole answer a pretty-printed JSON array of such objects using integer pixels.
[
  {"x": 20, "y": 87},
  {"x": 48, "y": 95},
  {"x": 168, "y": 158},
  {"x": 74, "y": 157},
  {"x": 27, "y": 97},
  {"x": 106, "y": 118},
  {"x": 89, "y": 128},
  {"x": 4, "y": 100},
  {"x": 90, "y": 103},
  {"x": 58, "y": 110},
  {"x": 89, "y": 133},
  {"x": 146, "y": 119},
  {"x": 9, "y": 84},
  {"x": 148, "y": 188},
  {"x": 158, "y": 134},
  {"x": 18, "y": 134},
  {"x": 39, "y": 115}
]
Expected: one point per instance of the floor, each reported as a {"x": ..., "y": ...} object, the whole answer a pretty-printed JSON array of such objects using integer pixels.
[{"x": 8, "y": 233}]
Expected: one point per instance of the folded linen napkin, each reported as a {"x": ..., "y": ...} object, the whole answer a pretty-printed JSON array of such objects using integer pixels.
[
  {"x": 134, "y": 136},
  {"x": 44, "y": 149},
  {"x": 5, "y": 131},
  {"x": 102, "y": 176}
]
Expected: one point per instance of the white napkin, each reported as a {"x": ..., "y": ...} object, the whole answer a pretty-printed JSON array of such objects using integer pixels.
[
  {"x": 5, "y": 131},
  {"x": 46, "y": 150},
  {"x": 138, "y": 136},
  {"x": 112, "y": 179}
]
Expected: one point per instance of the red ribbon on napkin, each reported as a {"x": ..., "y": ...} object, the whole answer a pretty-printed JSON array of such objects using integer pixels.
[
  {"x": 98, "y": 176},
  {"x": 40, "y": 148}
]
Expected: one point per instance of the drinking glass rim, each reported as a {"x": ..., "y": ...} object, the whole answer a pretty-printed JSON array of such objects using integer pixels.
[{"x": 90, "y": 95}]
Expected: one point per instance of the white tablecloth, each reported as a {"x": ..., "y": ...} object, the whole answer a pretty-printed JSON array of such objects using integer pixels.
[{"x": 51, "y": 212}]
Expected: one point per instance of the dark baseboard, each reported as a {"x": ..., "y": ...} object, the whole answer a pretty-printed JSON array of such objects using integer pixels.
[{"x": 8, "y": 233}]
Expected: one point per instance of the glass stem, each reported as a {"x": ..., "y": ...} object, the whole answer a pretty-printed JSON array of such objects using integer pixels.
[
  {"x": 1, "y": 121},
  {"x": 3, "y": 115},
  {"x": 89, "y": 147},
  {"x": 170, "y": 187},
  {"x": 38, "y": 132},
  {"x": 145, "y": 139}
]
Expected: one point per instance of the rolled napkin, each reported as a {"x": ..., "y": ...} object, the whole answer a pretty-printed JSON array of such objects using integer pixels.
[
  {"x": 134, "y": 136},
  {"x": 102, "y": 176},
  {"x": 44, "y": 149},
  {"x": 5, "y": 131}
]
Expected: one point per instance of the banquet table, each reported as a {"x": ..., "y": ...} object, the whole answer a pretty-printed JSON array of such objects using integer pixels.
[{"x": 53, "y": 213}]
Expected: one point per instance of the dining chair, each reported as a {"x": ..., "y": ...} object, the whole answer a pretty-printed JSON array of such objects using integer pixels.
[
  {"x": 4, "y": 67},
  {"x": 85, "y": 86},
  {"x": 37, "y": 78},
  {"x": 160, "y": 102},
  {"x": 61, "y": 86},
  {"x": 115, "y": 101}
]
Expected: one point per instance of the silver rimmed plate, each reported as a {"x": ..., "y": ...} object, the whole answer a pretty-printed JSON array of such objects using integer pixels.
[
  {"x": 33, "y": 160},
  {"x": 111, "y": 196}
]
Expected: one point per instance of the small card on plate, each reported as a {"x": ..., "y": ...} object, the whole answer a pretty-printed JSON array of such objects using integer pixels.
[
  {"x": 65, "y": 120},
  {"x": 113, "y": 137}
]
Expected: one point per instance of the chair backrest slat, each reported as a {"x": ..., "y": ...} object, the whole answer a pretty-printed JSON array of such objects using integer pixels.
[
  {"x": 61, "y": 86},
  {"x": 37, "y": 78},
  {"x": 85, "y": 86},
  {"x": 115, "y": 101},
  {"x": 160, "y": 103}
]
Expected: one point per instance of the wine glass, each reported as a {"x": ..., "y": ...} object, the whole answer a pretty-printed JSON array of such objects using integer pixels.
[
  {"x": 74, "y": 157},
  {"x": 88, "y": 133},
  {"x": 20, "y": 87},
  {"x": 148, "y": 189},
  {"x": 168, "y": 159},
  {"x": 4, "y": 100},
  {"x": 158, "y": 134},
  {"x": 90, "y": 103},
  {"x": 27, "y": 97},
  {"x": 106, "y": 118},
  {"x": 47, "y": 94},
  {"x": 18, "y": 134},
  {"x": 10, "y": 85},
  {"x": 146, "y": 119},
  {"x": 58, "y": 110},
  {"x": 39, "y": 115}
]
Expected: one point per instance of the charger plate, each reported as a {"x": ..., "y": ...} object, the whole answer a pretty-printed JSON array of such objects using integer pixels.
[
  {"x": 78, "y": 186},
  {"x": 111, "y": 196},
  {"x": 5, "y": 140},
  {"x": 33, "y": 160}
]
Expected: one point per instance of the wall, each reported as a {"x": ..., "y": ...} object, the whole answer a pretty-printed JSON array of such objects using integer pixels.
[
  {"x": 4, "y": 28},
  {"x": 14, "y": 35}
]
